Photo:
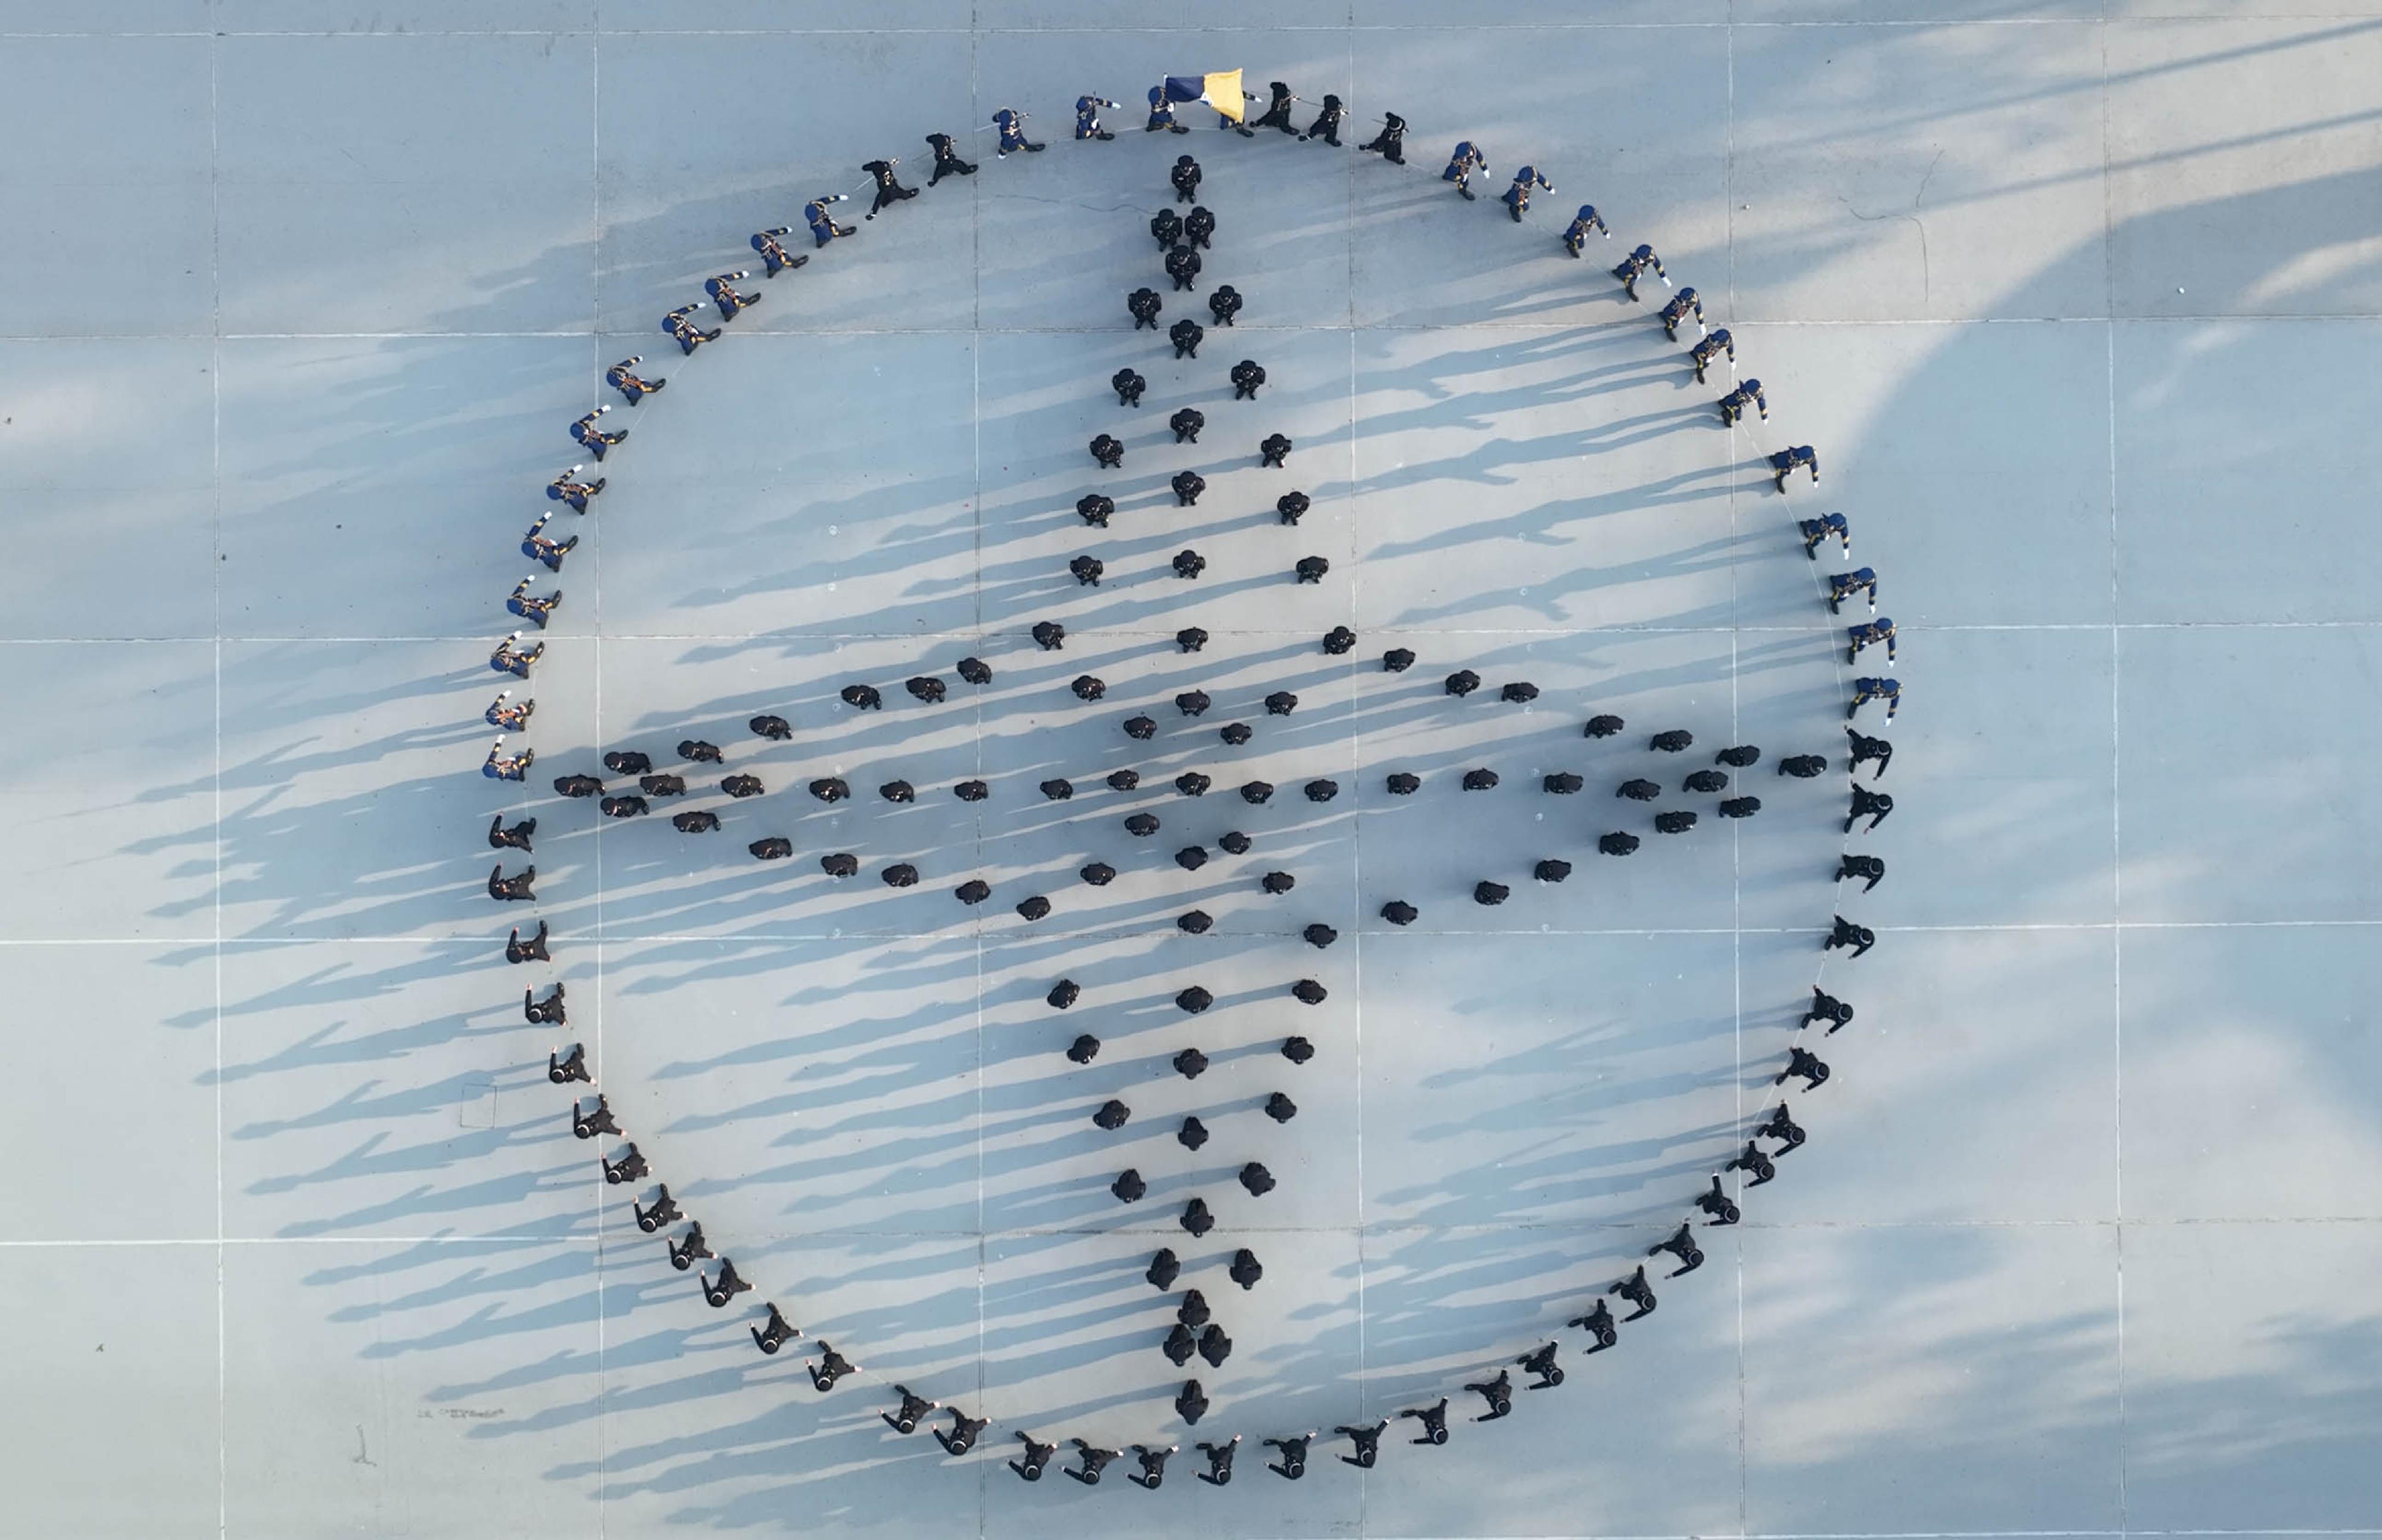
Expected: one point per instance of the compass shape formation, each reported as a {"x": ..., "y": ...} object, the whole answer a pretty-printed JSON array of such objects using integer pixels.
[{"x": 1186, "y": 809}]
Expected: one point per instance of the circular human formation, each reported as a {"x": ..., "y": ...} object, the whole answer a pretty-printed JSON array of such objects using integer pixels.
[{"x": 1723, "y": 777}]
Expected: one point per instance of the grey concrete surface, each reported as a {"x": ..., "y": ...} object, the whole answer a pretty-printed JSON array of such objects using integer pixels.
[{"x": 2075, "y": 300}]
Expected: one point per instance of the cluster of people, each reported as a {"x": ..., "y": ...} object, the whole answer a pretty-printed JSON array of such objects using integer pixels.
[{"x": 1182, "y": 239}]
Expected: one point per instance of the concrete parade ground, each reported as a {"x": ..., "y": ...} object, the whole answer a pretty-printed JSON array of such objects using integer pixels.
[{"x": 2076, "y": 1222}]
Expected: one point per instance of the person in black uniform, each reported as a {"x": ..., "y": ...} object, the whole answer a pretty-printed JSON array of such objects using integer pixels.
[
  {"x": 1498, "y": 1393},
  {"x": 1152, "y": 1475},
  {"x": 1714, "y": 1202},
  {"x": 1183, "y": 266},
  {"x": 1197, "y": 226},
  {"x": 1294, "y": 1455},
  {"x": 778, "y": 1332},
  {"x": 1166, "y": 226},
  {"x": 1433, "y": 1420},
  {"x": 1049, "y": 636},
  {"x": 889, "y": 190},
  {"x": 1869, "y": 805},
  {"x": 1391, "y": 141},
  {"x": 1277, "y": 113},
  {"x": 1782, "y": 1127},
  {"x": 1107, "y": 452},
  {"x": 947, "y": 160},
  {"x": 1326, "y": 125},
  {"x": 1681, "y": 1244},
  {"x": 1094, "y": 509},
  {"x": 1164, "y": 1269},
  {"x": 776, "y": 847},
  {"x": 1311, "y": 569},
  {"x": 1191, "y": 1403},
  {"x": 1247, "y": 376},
  {"x": 1186, "y": 336},
  {"x": 1754, "y": 1161},
  {"x": 1865, "y": 748},
  {"x": 1143, "y": 304},
  {"x": 1223, "y": 304},
  {"x": 1859, "y": 867},
  {"x": 1297, "y": 1049},
  {"x": 1803, "y": 766},
  {"x": 965, "y": 1432},
  {"x": 1804, "y": 1063},
  {"x": 1095, "y": 1460},
  {"x": 1274, "y": 450},
  {"x": 1128, "y": 385},
  {"x": 1636, "y": 1289},
  {"x": 1828, "y": 1009},
  {"x": 1367, "y": 1442},
  {"x": 1220, "y": 1462},
  {"x": 1540, "y": 1363},
  {"x": 533, "y": 949},
  {"x": 1186, "y": 424},
  {"x": 914, "y": 1408},
  {"x": 1599, "y": 1323},
  {"x": 1037, "y": 1456},
  {"x": 1186, "y": 178},
  {"x": 1855, "y": 939},
  {"x": 569, "y": 1066}
]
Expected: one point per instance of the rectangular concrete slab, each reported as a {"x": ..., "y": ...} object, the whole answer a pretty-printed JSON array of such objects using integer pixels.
[
  {"x": 1919, "y": 225},
  {"x": 487, "y": 199},
  {"x": 109, "y": 1344},
  {"x": 2276, "y": 1012},
  {"x": 111, "y": 137},
  {"x": 2210, "y": 837},
  {"x": 120, "y": 503},
  {"x": 118, "y": 839},
  {"x": 2214, "y": 1413},
  {"x": 1982, "y": 1390},
  {"x": 340, "y": 1394},
  {"x": 2193, "y": 213},
  {"x": 148, "y": 1012},
  {"x": 2193, "y": 483}
]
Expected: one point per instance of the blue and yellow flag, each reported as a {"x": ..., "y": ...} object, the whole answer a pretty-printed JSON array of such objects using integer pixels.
[{"x": 1221, "y": 91}]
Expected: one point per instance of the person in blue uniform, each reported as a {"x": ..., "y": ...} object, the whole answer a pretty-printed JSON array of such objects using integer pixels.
[
  {"x": 1087, "y": 116},
  {"x": 1785, "y": 462},
  {"x": 590, "y": 437},
  {"x": 1161, "y": 113},
  {"x": 823, "y": 226},
  {"x": 633, "y": 388},
  {"x": 722, "y": 289},
  {"x": 1712, "y": 347},
  {"x": 1517, "y": 197},
  {"x": 1637, "y": 265},
  {"x": 775, "y": 258},
  {"x": 1747, "y": 393},
  {"x": 538, "y": 548},
  {"x": 686, "y": 331},
  {"x": 1011, "y": 124},
  {"x": 1575, "y": 234},
  {"x": 1686, "y": 302},
  {"x": 1816, "y": 533},
  {"x": 1462, "y": 162}
]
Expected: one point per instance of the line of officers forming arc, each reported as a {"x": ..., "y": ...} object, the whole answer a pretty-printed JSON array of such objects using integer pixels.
[{"x": 569, "y": 489}]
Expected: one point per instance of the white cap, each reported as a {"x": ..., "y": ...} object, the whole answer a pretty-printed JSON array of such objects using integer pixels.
[{"x": 501, "y": 694}]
